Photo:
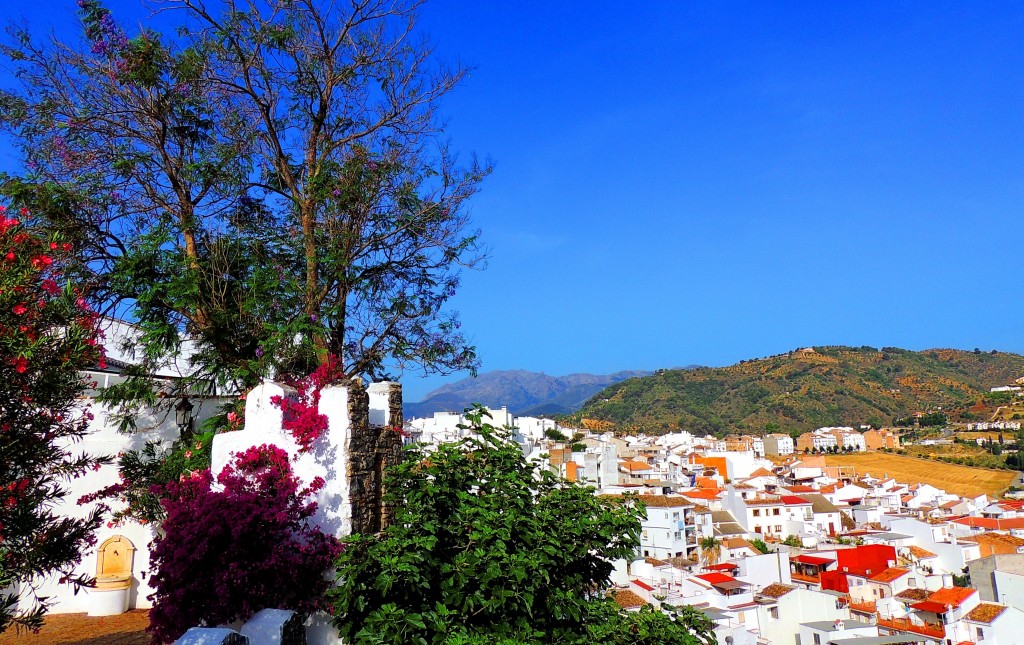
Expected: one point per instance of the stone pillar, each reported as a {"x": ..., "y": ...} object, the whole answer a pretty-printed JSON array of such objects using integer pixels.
[{"x": 374, "y": 445}]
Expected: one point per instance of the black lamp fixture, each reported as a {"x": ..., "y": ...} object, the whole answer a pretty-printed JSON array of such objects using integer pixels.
[{"x": 183, "y": 415}]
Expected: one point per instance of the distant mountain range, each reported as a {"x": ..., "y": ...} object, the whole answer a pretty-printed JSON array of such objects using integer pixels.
[
  {"x": 808, "y": 388},
  {"x": 523, "y": 393}
]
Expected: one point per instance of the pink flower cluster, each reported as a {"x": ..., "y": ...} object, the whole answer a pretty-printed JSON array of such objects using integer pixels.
[
  {"x": 302, "y": 413},
  {"x": 225, "y": 555}
]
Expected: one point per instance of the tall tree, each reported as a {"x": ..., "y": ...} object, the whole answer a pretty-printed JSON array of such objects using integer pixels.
[
  {"x": 272, "y": 182},
  {"x": 47, "y": 335},
  {"x": 487, "y": 547}
]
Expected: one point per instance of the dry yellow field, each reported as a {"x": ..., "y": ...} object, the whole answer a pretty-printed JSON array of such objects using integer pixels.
[{"x": 960, "y": 480}]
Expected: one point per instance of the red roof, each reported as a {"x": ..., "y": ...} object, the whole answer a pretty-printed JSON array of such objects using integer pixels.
[
  {"x": 701, "y": 494},
  {"x": 643, "y": 585},
  {"x": 715, "y": 578},
  {"x": 812, "y": 559},
  {"x": 793, "y": 500},
  {"x": 800, "y": 489},
  {"x": 991, "y": 523},
  {"x": 725, "y": 566},
  {"x": 889, "y": 575},
  {"x": 952, "y": 595},
  {"x": 928, "y": 605}
]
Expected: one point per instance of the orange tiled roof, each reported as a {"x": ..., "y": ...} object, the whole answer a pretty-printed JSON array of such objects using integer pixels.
[
  {"x": 632, "y": 466},
  {"x": 655, "y": 500},
  {"x": 762, "y": 472},
  {"x": 954, "y": 596},
  {"x": 991, "y": 523},
  {"x": 912, "y": 595},
  {"x": 993, "y": 543},
  {"x": 737, "y": 543},
  {"x": 985, "y": 612},
  {"x": 890, "y": 574},
  {"x": 776, "y": 590},
  {"x": 628, "y": 599},
  {"x": 920, "y": 553},
  {"x": 703, "y": 493}
]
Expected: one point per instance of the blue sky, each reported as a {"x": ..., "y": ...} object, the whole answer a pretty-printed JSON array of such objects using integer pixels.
[{"x": 682, "y": 183}]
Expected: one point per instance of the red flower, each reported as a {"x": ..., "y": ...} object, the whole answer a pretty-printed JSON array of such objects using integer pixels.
[
  {"x": 20, "y": 365},
  {"x": 19, "y": 309},
  {"x": 41, "y": 261},
  {"x": 50, "y": 286},
  {"x": 10, "y": 256}
]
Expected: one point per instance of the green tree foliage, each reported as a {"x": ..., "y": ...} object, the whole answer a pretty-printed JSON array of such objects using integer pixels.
[
  {"x": 760, "y": 545},
  {"x": 47, "y": 335},
  {"x": 486, "y": 547},
  {"x": 272, "y": 182}
]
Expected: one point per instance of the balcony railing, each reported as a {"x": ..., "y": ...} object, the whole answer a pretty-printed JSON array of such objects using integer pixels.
[
  {"x": 935, "y": 630},
  {"x": 803, "y": 578}
]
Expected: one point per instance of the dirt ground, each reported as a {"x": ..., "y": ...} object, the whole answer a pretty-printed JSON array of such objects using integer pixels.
[
  {"x": 79, "y": 629},
  {"x": 960, "y": 480}
]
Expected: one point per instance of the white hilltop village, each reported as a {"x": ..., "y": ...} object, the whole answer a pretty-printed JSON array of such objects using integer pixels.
[{"x": 775, "y": 546}]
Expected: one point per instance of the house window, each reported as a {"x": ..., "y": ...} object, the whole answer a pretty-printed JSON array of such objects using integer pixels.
[
  {"x": 981, "y": 634},
  {"x": 817, "y": 639},
  {"x": 757, "y": 512},
  {"x": 778, "y": 528},
  {"x": 773, "y": 612},
  {"x": 757, "y": 529},
  {"x": 645, "y": 534},
  {"x": 675, "y": 516},
  {"x": 775, "y": 511},
  {"x": 679, "y": 535}
]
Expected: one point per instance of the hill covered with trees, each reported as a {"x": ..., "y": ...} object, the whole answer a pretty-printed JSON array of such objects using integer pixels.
[{"x": 805, "y": 389}]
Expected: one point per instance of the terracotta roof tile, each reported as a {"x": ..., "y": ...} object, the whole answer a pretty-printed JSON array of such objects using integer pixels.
[
  {"x": 890, "y": 574},
  {"x": 920, "y": 553},
  {"x": 633, "y": 466},
  {"x": 993, "y": 543},
  {"x": 776, "y": 590},
  {"x": 704, "y": 493},
  {"x": 985, "y": 612},
  {"x": 954, "y": 596},
  {"x": 912, "y": 595},
  {"x": 737, "y": 543},
  {"x": 655, "y": 500},
  {"x": 628, "y": 600}
]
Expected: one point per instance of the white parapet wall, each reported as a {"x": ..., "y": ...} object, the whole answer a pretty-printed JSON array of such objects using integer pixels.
[{"x": 326, "y": 459}]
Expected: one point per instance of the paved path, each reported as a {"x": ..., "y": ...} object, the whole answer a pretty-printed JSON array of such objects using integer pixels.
[{"x": 78, "y": 629}]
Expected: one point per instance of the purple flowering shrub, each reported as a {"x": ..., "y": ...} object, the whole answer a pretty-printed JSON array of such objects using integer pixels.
[{"x": 226, "y": 555}]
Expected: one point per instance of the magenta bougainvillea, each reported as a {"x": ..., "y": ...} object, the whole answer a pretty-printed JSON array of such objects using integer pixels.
[
  {"x": 302, "y": 412},
  {"x": 224, "y": 555},
  {"x": 48, "y": 335}
]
